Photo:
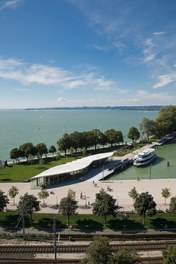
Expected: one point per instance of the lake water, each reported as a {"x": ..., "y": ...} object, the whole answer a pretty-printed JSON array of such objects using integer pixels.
[
  {"x": 158, "y": 170},
  {"x": 47, "y": 126}
]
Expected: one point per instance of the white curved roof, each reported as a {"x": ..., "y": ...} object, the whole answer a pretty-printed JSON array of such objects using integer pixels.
[{"x": 73, "y": 165}]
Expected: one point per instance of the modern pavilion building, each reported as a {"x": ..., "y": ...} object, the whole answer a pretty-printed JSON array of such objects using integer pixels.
[{"x": 76, "y": 169}]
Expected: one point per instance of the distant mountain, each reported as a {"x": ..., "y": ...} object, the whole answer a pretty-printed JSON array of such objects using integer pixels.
[{"x": 138, "y": 108}]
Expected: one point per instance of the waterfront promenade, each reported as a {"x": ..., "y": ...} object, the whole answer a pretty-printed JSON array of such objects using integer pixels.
[
  {"x": 86, "y": 190},
  {"x": 119, "y": 190}
]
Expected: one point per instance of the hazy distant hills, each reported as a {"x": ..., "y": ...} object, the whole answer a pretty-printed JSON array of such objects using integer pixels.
[{"x": 138, "y": 108}]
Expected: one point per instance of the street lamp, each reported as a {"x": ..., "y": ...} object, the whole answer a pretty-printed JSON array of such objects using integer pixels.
[
  {"x": 150, "y": 171},
  {"x": 103, "y": 173}
]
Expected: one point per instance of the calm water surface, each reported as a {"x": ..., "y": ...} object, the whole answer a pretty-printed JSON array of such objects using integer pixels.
[
  {"x": 158, "y": 169},
  {"x": 47, "y": 126}
]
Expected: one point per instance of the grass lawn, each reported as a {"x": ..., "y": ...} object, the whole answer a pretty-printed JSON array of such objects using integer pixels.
[
  {"x": 23, "y": 172},
  {"x": 133, "y": 222}
]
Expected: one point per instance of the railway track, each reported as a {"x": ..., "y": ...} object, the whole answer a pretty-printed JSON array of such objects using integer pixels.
[
  {"x": 151, "y": 260},
  {"x": 79, "y": 248}
]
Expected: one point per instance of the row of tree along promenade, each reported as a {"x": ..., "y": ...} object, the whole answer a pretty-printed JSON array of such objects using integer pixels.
[
  {"x": 104, "y": 206},
  {"x": 76, "y": 141}
]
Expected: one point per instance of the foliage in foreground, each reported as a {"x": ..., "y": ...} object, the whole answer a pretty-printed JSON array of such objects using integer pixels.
[
  {"x": 169, "y": 255},
  {"x": 99, "y": 252}
]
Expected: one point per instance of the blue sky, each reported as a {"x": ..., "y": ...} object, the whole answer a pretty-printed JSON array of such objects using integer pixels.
[{"x": 87, "y": 53}]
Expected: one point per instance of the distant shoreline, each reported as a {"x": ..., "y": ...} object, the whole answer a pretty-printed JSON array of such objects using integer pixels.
[{"x": 138, "y": 108}]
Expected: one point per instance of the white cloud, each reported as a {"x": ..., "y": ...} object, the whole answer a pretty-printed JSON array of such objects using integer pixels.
[
  {"x": 10, "y": 4},
  {"x": 45, "y": 75},
  {"x": 61, "y": 99},
  {"x": 149, "y": 50},
  {"x": 10, "y": 63},
  {"x": 158, "y": 33},
  {"x": 164, "y": 80}
]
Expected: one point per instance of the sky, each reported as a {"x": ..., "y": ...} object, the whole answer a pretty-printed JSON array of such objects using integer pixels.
[{"x": 68, "y": 53}]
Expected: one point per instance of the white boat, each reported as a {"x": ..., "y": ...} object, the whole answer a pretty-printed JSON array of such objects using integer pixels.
[{"x": 145, "y": 157}]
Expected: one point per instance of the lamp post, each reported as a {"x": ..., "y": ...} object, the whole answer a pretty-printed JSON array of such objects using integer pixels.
[
  {"x": 103, "y": 173},
  {"x": 150, "y": 171},
  {"x": 54, "y": 240}
]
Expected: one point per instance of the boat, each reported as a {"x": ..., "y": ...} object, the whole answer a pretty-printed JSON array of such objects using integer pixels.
[{"x": 145, "y": 157}]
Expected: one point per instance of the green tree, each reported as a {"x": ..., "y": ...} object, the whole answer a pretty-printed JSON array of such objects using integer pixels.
[
  {"x": 13, "y": 191},
  {"x": 75, "y": 138},
  {"x": 3, "y": 200},
  {"x": 104, "y": 205},
  {"x": 52, "y": 150},
  {"x": 172, "y": 205},
  {"x": 166, "y": 121},
  {"x": 41, "y": 149},
  {"x": 28, "y": 204},
  {"x": 71, "y": 194},
  {"x": 15, "y": 153},
  {"x": 87, "y": 139},
  {"x": 43, "y": 194},
  {"x": 133, "y": 134},
  {"x": 96, "y": 137},
  {"x": 64, "y": 143},
  {"x": 113, "y": 136},
  {"x": 104, "y": 140},
  {"x": 68, "y": 207},
  {"x": 145, "y": 205},
  {"x": 165, "y": 193},
  {"x": 133, "y": 193},
  {"x": 125, "y": 256},
  {"x": 169, "y": 255},
  {"x": 27, "y": 149},
  {"x": 98, "y": 252},
  {"x": 148, "y": 127}
]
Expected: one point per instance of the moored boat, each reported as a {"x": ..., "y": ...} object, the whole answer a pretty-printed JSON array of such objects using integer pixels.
[{"x": 145, "y": 157}]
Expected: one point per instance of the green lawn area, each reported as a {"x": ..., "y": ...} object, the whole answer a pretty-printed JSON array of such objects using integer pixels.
[
  {"x": 133, "y": 222},
  {"x": 23, "y": 171}
]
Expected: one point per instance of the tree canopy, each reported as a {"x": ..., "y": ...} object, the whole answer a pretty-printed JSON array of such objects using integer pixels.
[
  {"x": 15, "y": 153},
  {"x": 166, "y": 121},
  {"x": 133, "y": 134},
  {"x": 43, "y": 194},
  {"x": 104, "y": 205},
  {"x": 98, "y": 252},
  {"x": 165, "y": 193},
  {"x": 125, "y": 256},
  {"x": 67, "y": 207},
  {"x": 169, "y": 255},
  {"x": 148, "y": 127},
  {"x": 145, "y": 205},
  {"x": 3, "y": 200},
  {"x": 113, "y": 136},
  {"x": 52, "y": 149},
  {"x": 13, "y": 191},
  {"x": 133, "y": 193},
  {"x": 27, "y": 149},
  {"x": 172, "y": 205},
  {"x": 41, "y": 149},
  {"x": 28, "y": 204}
]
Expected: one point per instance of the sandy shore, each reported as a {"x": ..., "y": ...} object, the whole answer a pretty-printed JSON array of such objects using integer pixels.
[{"x": 119, "y": 190}]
